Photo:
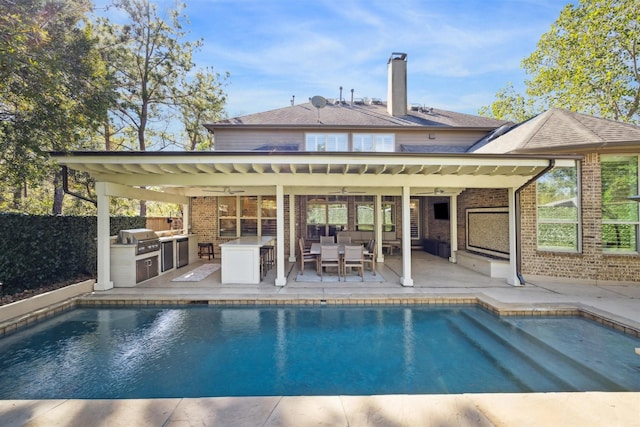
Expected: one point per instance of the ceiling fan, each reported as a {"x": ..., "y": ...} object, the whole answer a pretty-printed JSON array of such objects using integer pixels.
[
  {"x": 225, "y": 190},
  {"x": 434, "y": 192},
  {"x": 343, "y": 191}
]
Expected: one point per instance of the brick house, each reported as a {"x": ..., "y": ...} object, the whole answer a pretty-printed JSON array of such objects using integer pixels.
[{"x": 508, "y": 200}]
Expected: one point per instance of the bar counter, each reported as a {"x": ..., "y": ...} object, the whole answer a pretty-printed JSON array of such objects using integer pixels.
[{"x": 240, "y": 259}]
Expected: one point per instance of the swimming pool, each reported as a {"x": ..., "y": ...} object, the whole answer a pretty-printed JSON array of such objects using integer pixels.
[{"x": 202, "y": 351}]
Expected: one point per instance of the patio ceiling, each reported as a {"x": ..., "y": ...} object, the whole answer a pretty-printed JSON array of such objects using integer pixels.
[{"x": 189, "y": 173}]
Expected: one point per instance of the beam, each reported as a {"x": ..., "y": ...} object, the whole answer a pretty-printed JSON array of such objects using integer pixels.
[{"x": 117, "y": 190}]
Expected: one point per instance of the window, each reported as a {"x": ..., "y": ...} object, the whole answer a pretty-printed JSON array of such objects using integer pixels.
[
  {"x": 326, "y": 216},
  {"x": 326, "y": 142},
  {"x": 620, "y": 217},
  {"x": 251, "y": 220},
  {"x": 228, "y": 216},
  {"x": 365, "y": 216},
  {"x": 268, "y": 216},
  {"x": 384, "y": 142},
  {"x": 388, "y": 216},
  {"x": 249, "y": 216},
  {"x": 558, "y": 210}
]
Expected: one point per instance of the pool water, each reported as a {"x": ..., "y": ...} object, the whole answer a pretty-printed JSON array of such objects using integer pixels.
[{"x": 201, "y": 351}]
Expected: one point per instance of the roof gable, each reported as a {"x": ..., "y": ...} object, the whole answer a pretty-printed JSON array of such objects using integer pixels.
[{"x": 558, "y": 130}]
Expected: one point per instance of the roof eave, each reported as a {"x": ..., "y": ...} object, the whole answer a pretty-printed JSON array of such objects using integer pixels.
[{"x": 213, "y": 127}]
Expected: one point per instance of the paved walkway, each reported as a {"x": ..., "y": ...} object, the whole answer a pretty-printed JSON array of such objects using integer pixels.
[{"x": 434, "y": 278}]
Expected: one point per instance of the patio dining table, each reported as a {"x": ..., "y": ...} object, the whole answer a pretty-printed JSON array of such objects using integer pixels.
[{"x": 316, "y": 248}]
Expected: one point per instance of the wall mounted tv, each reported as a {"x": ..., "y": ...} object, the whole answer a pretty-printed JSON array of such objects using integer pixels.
[{"x": 441, "y": 210}]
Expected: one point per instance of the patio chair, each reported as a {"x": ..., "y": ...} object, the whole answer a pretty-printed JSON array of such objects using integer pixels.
[
  {"x": 370, "y": 256},
  {"x": 353, "y": 258},
  {"x": 344, "y": 239},
  {"x": 324, "y": 240},
  {"x": 305, "y": 245},
  {"x": 306, "y": 256},
  {"x": 329, "y": 257}
]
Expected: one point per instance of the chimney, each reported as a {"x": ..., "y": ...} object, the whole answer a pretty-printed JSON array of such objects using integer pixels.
[{"x": 397, "y": 86}]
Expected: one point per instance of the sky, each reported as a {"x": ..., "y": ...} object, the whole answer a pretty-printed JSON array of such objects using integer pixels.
[{"x": 460, "y": 53}]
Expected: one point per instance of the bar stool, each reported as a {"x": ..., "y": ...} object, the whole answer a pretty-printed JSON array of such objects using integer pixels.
[
  {"x": 206, "y": 249},
  {"x": 271, "y": 255},
  {"x": 264, "y": 262}
]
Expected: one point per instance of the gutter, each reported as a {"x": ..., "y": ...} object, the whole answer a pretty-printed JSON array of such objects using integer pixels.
[
  {"x": 65, "y": 187},
  {"x": 552, "y": 163}
]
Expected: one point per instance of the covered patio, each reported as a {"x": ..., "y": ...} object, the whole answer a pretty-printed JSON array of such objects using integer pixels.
[{"x": 181, "y": 177}]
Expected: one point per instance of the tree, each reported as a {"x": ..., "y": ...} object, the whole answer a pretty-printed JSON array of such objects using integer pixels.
[
  {"x": 200, "y": 100},
  {"x": 588, "y": 62},
  {"x": 151, "y": 62},
  {"x": 509, "y": 105},
  {"x": 52, "y": 88}
]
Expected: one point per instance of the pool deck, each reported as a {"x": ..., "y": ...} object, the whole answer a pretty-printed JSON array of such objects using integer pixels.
[{"x": 435, "y": 281}]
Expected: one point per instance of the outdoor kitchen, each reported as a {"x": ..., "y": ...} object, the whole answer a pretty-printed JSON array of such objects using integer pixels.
[{"x": 141, "y": 254}]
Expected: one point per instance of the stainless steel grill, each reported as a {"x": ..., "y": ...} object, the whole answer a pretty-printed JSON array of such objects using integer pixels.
[{"x": 146, "y": 240}]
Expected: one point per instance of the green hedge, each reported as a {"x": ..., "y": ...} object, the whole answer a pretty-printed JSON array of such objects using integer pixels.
[{"x": 40, "y": 250}]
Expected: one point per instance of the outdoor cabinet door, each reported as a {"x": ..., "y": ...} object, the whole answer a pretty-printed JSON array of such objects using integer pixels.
[{"x": 146, "y": 268}]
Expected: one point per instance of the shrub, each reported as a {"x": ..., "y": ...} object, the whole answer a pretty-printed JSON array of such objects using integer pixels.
[{"x": 41, "y": 250}]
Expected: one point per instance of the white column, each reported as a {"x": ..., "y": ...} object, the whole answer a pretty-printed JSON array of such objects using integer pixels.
[
  {"x": 512, "y": 278},
  {"x": 406, "y": 279},
  {"x": 186, "y": 215},
  {"x": 103, "y": 245},
  {"x": 292, "y": 228},
  {"x": 453, "y": 220},
  {"x": 281, "y": 279},
  {"x": 377, "y": 228}
]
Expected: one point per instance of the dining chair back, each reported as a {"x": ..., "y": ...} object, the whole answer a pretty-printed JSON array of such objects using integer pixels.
[
  {"x": 344, "y": 239},
  {"x": 329, "y": 257},
  {"x": 306, "y": 257},
  {"x": 370, "y": 256},
  {"x": 353, "y": 258},
  {"x": 326, "y": 240}
]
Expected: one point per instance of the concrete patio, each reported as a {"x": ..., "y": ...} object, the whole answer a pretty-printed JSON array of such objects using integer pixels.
[{"x": 436, "y": 281}]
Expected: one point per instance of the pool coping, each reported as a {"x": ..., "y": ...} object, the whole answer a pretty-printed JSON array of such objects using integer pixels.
[{"x": 89, "y": 299}]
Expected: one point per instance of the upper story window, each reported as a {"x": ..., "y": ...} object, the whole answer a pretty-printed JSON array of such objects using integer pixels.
[
  {"x": 370, "y": 142},
  {"x": 558, "y": 208},
  {"x": 326, "y": 142},
  {"x": 620, "y": 216}
]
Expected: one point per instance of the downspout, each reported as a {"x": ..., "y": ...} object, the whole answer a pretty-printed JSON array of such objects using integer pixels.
[
  {"x": 65, "y": 187},
  {"x": 552, "y": 163}
]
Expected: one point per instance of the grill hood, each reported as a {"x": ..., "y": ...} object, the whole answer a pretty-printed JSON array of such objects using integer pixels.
[{"x": 136, "y": 235}]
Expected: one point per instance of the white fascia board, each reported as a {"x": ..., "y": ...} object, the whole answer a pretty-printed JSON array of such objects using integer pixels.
[
  {"x": 317, "y": 180},
  {"x": 117, "y": 190}
]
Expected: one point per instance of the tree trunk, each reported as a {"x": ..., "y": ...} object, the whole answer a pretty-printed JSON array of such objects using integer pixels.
[
  {"x": 17, "y": 197},
  {"x": 58, "y": 193},
  {"x": 107, "y": 136}
]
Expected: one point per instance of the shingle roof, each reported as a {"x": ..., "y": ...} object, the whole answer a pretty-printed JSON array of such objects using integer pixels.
[
  {"x": 423, "y": 148},
  {"x": 357, "y": 116},
  {"x": 558, "y": 130}
]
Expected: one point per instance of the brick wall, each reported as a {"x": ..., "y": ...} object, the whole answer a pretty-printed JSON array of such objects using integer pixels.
[
  {"x": 204, "y": 222},
  {"x": 439, "y": 229},
  {"x": 592, "y": 263}
]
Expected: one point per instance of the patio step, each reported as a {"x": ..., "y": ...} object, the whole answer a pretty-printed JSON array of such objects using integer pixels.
[
  {"x": 517, "y": 351},
  {"x": 568, "y": 373}
]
